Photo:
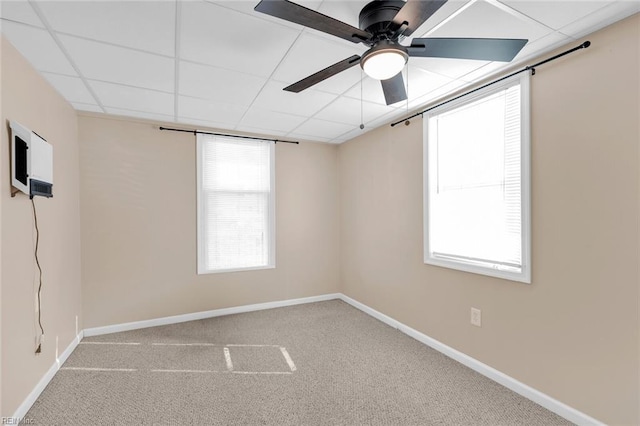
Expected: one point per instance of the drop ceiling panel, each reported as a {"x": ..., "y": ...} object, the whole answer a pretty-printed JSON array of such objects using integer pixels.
[
  {"x": 95, "y": 20},
  {"x": 450, "y": 8},
  {"x": 450, "y": 68},
  {"x": 307, "y": 102},
  {"x": 483, "y": 19},
  {"x": 531, "y": 49},
  {"x": 420, "y": 83},
  {"x": 601, "y": 18},
  {"x": 19, "y": 11},
  {"x": 133, "y": 98},
  {"x": 86, "y": 107},
  {"x": 211, "y": 111},
  {"x": 328, "y": 129},
  {"x": 341, "y": 82},
  {"x": 345, "y": 11},
  {"x": 247, "y": 7},
  {"x": 38, "y": 47},
  {"x": 272, "y": 121},
  {"x": 72, "y": 89},
  {"x": 205, "y": 124},
  {"x": 438, "y": 94},
  {"x": 555, "y": 14},
  {"x": 311, "y": 54},
  {"x": 99, "y": 61},
  {"x": 222, "y": 85},
  {"x": 233, "y": 62},
  {"x": 139, "y": 114},
  {"x": 220, "y": 36},
  {"x": 347, "y": 110}
]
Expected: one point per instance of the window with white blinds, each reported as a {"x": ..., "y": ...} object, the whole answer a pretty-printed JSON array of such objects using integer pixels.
[
  {"x": 477, "y": 182},
  {"x": 236, "y": 204}
]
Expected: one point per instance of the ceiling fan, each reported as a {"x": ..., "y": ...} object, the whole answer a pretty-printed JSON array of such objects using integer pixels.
[{"x": 383, "y": 24}]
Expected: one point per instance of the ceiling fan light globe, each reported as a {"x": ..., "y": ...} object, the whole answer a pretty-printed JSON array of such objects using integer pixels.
[{"x": 384, "y": 64}]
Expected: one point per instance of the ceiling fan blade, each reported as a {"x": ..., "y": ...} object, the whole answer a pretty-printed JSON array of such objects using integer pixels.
[
  {"x": 393, "y": 89},
  {"x": 293, "y": 12},
  {"x": 487, "y": 49},
  {"x": 415, "y": 12},
  {"x": 330, "y": 71}
]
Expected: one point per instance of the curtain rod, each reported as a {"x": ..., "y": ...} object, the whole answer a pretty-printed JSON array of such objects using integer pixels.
[
  {"x": 527, "y": 68},
  {"x": 223, "y": 134}
]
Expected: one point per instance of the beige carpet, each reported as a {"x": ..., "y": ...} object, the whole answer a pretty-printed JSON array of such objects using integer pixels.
[{"x": 315, "y": 364}]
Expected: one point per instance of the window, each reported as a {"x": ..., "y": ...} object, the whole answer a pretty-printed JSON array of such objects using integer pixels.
[
  {"x": 476, "y": 171},
  {"x": 236, "y": 204}
]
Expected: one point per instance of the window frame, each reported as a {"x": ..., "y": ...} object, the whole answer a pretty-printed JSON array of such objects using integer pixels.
[
  {"x": 525, "y": 182},
  {"x": 200, "y": 217}
]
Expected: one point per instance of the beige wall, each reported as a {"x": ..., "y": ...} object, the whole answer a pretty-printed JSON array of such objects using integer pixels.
[
  {"x": 349, "y": 219},
  {"x": 28, "y": 99},
  {"x": 139, "y": 226},
  {"x": 572, "y": 333}
]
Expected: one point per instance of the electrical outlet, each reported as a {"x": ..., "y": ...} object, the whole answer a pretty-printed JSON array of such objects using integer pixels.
[{"x": 476, "y": 317}]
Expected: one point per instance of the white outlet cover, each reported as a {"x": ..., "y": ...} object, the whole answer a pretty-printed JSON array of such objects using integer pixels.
[{"x": 476, "y": 317}]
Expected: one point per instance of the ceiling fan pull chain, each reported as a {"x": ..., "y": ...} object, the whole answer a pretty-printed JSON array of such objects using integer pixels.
[{"x": 361, "y": 103}]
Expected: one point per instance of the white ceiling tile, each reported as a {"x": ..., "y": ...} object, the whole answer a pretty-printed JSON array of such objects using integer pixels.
[
  {"x": 450, "y": 68},
  {"x": 210, "y": 111},
  {"x": 247, "y": 7},
  {"x": 235, "y": 61},
  {"x": 311, "y": 54},
  {"x": 200, "y": 124},
  {"x": 99, "y": 61},
  {"x": 307, "y": 102},
  {"x": 86, "y": 107},
  {"x": 421, "y": 82},
  {"x": 270, "y": 120},
  {"x": 371, "y": 91},
  {"x": 341, "y": 82},
  {"x": 139, "y": 114},
  {"x": 125, "y": 23},
  {"x": 223, "y": 37},
  {"x": 38, "y": 47},
  {"x": 223, "y": 85},
  {"x": 260, "y": 132},
  {"x": 350, "y": 135},
  {"x": 72, "y": 89},
  {"x": 310, "y": 138},
  {"x": 438, "y": 95},
  {"x": 345, "y": 11},
  {"x": 536, "y": 48},
  {"x": 322, "y": 129},
  {"x": 19, "y": 11},
  {"x": 601, "y": 18},
  {"x": 133, "y": 98},
  {"x": 482, "y": 19},
  {"x": 555, "y": 14},
  {"x": 347, "y": 110},
  {"x": 446, "y": 11}
]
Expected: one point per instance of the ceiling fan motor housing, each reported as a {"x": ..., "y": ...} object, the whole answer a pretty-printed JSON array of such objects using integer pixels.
[{"x": 375, "y": 16}]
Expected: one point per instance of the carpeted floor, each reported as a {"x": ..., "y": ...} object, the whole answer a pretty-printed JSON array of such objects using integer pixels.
[{"x": 314, "y": 364}]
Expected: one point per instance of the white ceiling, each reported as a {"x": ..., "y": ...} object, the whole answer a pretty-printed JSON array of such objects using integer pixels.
[{"x": 220, "y": 64}]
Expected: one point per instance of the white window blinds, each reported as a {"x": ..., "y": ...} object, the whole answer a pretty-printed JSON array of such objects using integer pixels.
[
  {"x": 475, "y": 183},
  {"x": 235, "y": 204}
]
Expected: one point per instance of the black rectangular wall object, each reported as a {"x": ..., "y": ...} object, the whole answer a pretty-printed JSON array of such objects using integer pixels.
[
  {"x": 43, "y": 189},
  {"x": 21, "y": 160}
]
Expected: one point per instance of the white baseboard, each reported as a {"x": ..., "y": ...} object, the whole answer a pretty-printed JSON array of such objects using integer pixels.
[
  {"x": 509, "y": 382},
  {"x": 22, "y": 410},
  {"x": 528, "y": 392},
  {"x": 96, "y": 331}
]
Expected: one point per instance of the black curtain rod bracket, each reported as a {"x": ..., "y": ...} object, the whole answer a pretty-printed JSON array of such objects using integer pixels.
[
  {"x": 195, "y": 132},
  {"x": 531, "y": 68}
]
